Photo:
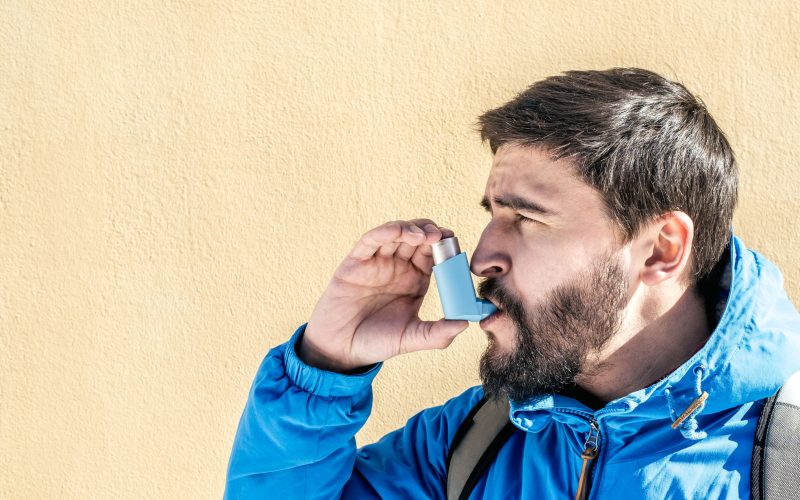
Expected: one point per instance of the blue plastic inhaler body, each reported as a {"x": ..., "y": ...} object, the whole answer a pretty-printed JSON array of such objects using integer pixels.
[{"x": 454, "y": 281}]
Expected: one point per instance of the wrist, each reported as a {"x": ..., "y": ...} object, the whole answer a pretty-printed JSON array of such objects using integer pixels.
[
  {"x": 311, "y": 356},
  {"x": 320, "y": 382}
]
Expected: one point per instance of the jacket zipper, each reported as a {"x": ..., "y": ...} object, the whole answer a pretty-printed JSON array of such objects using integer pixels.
[{"x": 590, "y": 450}]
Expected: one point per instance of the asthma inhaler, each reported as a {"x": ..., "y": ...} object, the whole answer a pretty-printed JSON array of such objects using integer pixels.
[{"x": 454, "y": 281}]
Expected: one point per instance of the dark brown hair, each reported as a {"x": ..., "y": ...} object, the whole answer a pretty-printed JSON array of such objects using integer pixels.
[{"x": 645, "y": 142}]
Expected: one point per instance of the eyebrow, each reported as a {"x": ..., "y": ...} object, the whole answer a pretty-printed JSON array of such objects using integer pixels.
[{"x": 517, "y": 203}]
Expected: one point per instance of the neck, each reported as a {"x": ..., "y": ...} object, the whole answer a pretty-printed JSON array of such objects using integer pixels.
[{"x": 667, "y": 329}]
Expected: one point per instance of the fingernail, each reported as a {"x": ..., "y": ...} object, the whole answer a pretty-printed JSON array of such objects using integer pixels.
[
  {"x": 431, "y": 228},
  {"x": 415, "y": 229}
]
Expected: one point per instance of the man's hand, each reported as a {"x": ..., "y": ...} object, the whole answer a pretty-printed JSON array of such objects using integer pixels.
[{"x": 370, "y": 310}]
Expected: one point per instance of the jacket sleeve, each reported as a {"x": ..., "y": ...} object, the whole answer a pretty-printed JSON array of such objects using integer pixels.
[{"x": 296, "y": 438}]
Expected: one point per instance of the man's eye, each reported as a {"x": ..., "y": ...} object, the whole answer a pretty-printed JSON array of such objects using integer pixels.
[{"x": 522, "y": 218}]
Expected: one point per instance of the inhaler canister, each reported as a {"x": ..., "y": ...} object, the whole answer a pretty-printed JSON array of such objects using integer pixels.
[{"x": 454, "y": 281}]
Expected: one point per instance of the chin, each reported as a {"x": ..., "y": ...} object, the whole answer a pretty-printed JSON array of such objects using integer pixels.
[{"x": 498, "y": 345}]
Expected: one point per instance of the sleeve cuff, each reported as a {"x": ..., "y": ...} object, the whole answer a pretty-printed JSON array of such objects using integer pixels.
[{"x": 322, "y": 382}]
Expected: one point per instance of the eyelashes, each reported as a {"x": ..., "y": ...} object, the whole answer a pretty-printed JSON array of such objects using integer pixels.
[{"x": 521, "y": 218}]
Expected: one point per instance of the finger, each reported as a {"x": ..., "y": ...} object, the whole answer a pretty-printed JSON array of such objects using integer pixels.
[
  {"x": 421, "y": 222},
  {"x": 446, "y": 232},
  {"x": 405, "y": 251},
  {"x": 421, "y": 335},
  {"x": 423, "y": 259},
  {"x": 411, "y": 232},
  {"x": 389, "y": 233},
  {"x": 387, "y": 249},
  {"x": 433, "y": 231}
]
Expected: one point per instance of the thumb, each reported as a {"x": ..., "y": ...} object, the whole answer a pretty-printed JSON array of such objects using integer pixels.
[{"x": 434, "y": 334}]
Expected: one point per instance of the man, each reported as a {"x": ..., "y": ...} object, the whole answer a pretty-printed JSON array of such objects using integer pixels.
[{"x": 635, "y": 329}]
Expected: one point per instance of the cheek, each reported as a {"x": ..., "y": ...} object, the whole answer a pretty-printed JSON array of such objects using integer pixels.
[
  {"x": 538, "y": 273},
  {"x": 547, "y": 258}
]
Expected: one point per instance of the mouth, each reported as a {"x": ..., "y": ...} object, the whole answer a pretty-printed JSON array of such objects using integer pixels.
[
  {"x": 493, "y": 301},
  {"x": 499, "y": 313},
  {"x": 487, "y": 321}
]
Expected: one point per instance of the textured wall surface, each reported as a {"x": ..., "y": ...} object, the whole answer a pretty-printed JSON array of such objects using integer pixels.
[{"x": 178, "y": 181}]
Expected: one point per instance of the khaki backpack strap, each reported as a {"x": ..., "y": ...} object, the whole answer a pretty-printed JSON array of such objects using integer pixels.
[
  {"x": 775, "y": 469},
  {"x": 476, "y": 443}
]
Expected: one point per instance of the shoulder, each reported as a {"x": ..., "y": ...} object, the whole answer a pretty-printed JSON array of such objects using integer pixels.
[
  {"x": 441, "y": 423},
  {"x": 434, "y": 428},
  {"x": 452, "y": 412}
]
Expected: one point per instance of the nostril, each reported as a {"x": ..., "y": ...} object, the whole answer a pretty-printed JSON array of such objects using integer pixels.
[{"x": 492, "y": 271}]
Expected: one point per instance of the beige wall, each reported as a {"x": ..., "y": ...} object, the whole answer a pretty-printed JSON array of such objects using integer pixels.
[{"x": 178, "y": 181}]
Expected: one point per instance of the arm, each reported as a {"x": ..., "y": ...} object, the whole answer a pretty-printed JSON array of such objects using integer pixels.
[
  {"x": 296, "y": 437},
  {"x": 296, "y": 434}
]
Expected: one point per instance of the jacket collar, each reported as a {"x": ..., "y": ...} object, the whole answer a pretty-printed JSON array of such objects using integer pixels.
[{"x": 747, "y": 357}]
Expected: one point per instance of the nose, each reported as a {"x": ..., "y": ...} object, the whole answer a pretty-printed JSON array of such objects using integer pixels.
[{"x": 489, "y": 258}]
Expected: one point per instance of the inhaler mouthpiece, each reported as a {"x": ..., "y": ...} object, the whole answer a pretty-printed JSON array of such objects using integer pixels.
[{"x": 454, "y": 281}]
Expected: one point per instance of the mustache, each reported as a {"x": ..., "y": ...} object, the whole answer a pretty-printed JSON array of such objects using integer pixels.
[{"x": 494, "y": 290}]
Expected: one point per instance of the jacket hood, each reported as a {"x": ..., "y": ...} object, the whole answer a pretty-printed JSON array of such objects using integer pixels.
[{"x": 754, "y": 348}]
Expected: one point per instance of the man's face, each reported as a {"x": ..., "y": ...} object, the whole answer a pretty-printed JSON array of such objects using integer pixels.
[{"x": 560, "y": 278}]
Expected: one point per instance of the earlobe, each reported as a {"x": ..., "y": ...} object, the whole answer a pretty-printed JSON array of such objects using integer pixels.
[{"x": 671, "y": 248}]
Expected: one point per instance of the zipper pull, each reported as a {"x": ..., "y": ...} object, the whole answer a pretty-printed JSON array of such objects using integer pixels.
[{"x": 590, "y": 450}]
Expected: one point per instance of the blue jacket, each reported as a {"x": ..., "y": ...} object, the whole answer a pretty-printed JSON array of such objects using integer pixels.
[{"x": 296, "y": 436}]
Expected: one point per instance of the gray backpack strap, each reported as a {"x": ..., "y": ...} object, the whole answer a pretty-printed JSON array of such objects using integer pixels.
[
  {"x": 775, "y": 471},
  {"x": 475, "y": 444}
]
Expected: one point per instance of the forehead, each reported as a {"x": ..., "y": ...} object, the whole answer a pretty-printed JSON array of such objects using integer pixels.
[{"x": 532, "y": 174}]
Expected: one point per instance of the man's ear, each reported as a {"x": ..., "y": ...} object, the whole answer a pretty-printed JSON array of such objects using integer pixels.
[{"x": 670, "y": 249}]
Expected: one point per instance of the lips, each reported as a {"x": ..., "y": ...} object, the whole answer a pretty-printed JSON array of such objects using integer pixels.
[
  {"x": 493, "y": 301},
  {"x": 485, "y": 322}
]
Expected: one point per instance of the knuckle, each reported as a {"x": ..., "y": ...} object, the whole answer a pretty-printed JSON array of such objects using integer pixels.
[
  {"x": 422, "y": 222},
  {"x": 380, "y": 233},
  {"x": 389, "y": 224}
]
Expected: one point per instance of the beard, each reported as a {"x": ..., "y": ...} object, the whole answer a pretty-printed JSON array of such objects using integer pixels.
[{"x": 555, "y": 338}]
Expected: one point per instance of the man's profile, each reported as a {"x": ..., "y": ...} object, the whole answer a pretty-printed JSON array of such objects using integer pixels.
[{"x": 637, "y": 340}]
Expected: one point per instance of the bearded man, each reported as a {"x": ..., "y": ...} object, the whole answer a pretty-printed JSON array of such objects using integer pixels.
[{"x": 635, "y": 341}]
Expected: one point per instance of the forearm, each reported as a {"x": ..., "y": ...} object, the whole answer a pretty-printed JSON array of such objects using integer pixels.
[{"x": 296, "y": 434}]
